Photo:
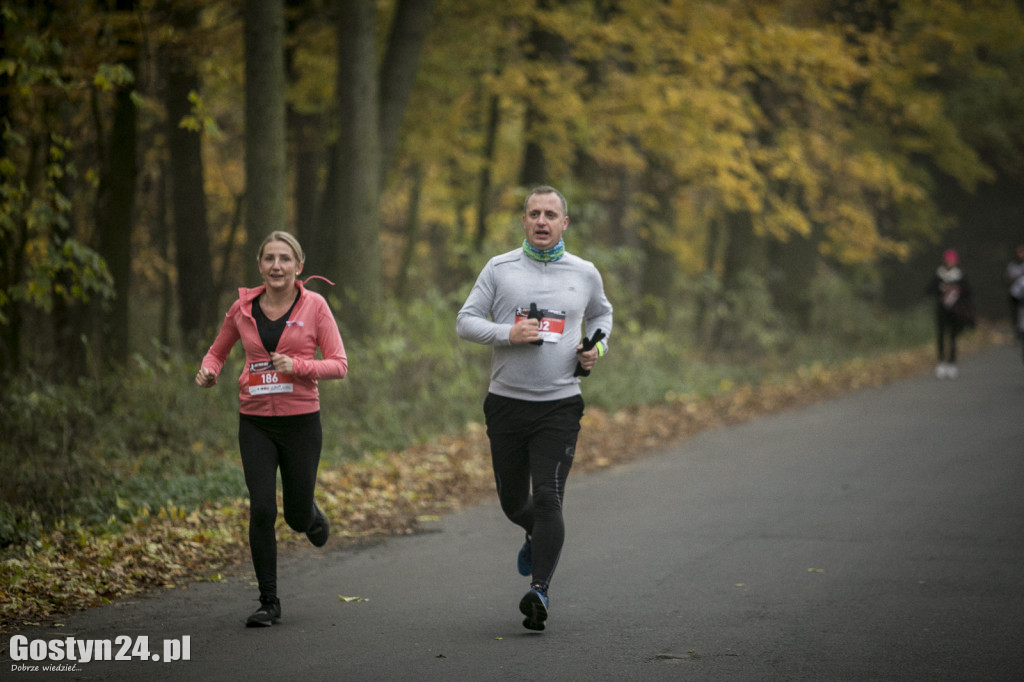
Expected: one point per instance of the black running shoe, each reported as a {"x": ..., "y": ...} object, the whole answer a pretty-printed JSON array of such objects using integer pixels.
[
  {"x": 534, "y": 605},
  {"x": 269, "y": 613},
  {"x": 320, "y": 530}
]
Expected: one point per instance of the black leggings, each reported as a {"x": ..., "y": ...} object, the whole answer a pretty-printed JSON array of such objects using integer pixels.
[
  {"x": 534, "y": 442},
  {"x": 293, "y": 445},
  {"x": 948, "y": 328}
]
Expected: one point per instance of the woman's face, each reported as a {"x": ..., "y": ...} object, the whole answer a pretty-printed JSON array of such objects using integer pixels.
[{"x": 279, "y": 266}]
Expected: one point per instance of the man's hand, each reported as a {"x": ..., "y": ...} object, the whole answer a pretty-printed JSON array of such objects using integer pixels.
[
  {"x": 587, "y": 358},
  {"x": 587, "y": 354},
  {"x": 525, "y": 331}
]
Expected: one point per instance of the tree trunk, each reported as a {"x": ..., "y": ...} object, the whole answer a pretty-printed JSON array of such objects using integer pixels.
[
  {"x": 656, "y": 279},
  {"x": 305, "y": 133},
  {"x": 742, "y": 248},
  {"x": 265, "y": 168},
  {"x": 162, "y": 237},
  {"x": 70, "y": 317},
  {"x": 307, "y": 158},
  {"x": 117, "y": 201},
  {"x": 535, "y": 169},
  {"x": 794, "y": 264},
  {"x": 9, "y": 323},
  {"x": 398, "y": 73},
  {"x": 196, "y": 296},
  {"x": 706, "y": 324},
  {"x": 544, "y": 46},
  {"x": 412, "y": 229},
  {"x": 350, "y": 222},
  {"x": 484, "y": 192},
  {"x": 619, "y": 231}
]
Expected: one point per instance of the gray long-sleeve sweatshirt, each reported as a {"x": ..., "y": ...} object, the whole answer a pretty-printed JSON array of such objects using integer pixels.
[{"x": 507, "y": 285}]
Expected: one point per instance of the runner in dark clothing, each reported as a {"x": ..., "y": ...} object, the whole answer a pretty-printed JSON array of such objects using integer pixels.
[{"x": 953, "y": 313}]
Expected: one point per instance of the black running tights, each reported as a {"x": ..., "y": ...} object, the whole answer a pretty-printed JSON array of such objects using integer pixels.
[
  {"x": 266, "y": 444},
  {"x": 534, "y": 442},
  {"x": 947, "y": 328}
]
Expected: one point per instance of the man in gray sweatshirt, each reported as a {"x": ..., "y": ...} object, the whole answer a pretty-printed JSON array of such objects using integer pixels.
[{"x": 531, "y": 306}]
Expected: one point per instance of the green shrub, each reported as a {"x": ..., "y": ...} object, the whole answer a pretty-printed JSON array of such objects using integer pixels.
[
  {"x": 71, "y": 450},
  {"x": 413, "y": 379}
]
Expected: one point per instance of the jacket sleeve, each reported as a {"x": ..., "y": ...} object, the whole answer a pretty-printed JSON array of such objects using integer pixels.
[
  {"x": 599, "y": 310},
  {"x": 334, "y": 364},
  {"x": 226, "y": 339},
  {"x": 474, "y": 322}
]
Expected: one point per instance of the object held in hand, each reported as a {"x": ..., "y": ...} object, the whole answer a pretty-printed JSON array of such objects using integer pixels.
[
  {"x": 538, "y": 315},
  {"x": 588, "y": 344}
]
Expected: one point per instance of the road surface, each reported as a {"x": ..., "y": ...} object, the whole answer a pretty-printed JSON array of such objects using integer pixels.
[{"x": 877, "y": 536}]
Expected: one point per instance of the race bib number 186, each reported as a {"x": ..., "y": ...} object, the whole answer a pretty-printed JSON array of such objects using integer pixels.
[{"x": 264, "y": 379}]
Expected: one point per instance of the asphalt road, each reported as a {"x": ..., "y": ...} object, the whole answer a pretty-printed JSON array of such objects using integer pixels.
[{"x": 878, "y": 536}]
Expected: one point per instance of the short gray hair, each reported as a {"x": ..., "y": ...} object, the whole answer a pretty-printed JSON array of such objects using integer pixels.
[{"x": 545, "y": 189}]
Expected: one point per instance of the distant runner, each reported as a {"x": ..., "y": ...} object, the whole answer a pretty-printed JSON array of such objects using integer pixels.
[{"x": 953, "y": 311}]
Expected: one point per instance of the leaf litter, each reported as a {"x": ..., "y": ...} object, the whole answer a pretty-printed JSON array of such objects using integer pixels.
[{"x": 74, "y": 568}]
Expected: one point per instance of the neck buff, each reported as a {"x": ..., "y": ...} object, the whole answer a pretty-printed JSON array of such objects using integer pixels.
[
  {"x": 549, "y": 256},
  {"x": 949, "y": 275}
]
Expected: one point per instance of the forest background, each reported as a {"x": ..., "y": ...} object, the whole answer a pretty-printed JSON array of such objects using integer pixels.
[{"x": 763, "y": 185}]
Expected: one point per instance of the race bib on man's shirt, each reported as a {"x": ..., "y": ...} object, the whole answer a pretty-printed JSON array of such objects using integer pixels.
[
  {"x": 552, "y": 323},
  {"x": 264, "y": 379}
]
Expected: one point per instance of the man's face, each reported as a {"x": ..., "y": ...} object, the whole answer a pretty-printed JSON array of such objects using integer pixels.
[{"x": 543, "y": 221}]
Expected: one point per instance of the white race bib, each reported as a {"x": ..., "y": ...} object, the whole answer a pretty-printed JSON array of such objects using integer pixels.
[
  {"x": 552, "y": 323},
  {"x": 264, "y": 379}
]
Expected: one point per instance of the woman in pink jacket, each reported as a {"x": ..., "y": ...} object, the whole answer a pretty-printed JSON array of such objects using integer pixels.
[{"x": 280, "y": 324}]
